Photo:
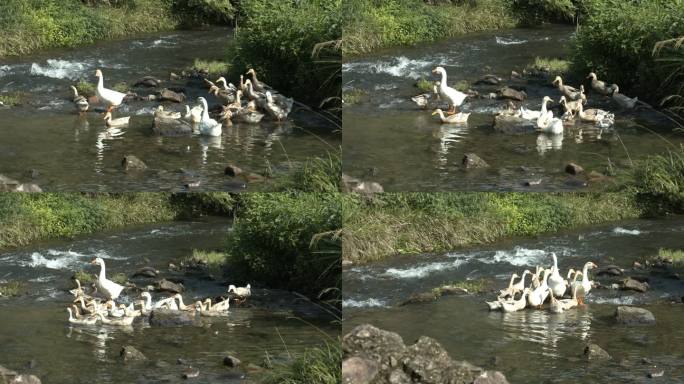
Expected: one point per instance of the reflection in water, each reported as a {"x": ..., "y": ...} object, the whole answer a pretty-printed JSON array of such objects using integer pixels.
[
  {"x": 546, "y": 142},
  {"x": 449, "y": 135}
]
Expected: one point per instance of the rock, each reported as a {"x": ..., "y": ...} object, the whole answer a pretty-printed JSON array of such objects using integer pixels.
[
  {"x": 231, "y": 361},
  {"x": 147, "y": 81},
  {"x": 10, "y": 185},
  {"x": 31, "y": 364},
  {"x": 357, "y": 370},
  {"x": 646, "y": 360},
  {"x": 33, "y": 173},
  {"x": 8, "y": 373},
  {"x": 489, "y": 80},
  {"x": 596, "y": 176},
  {"x": 609, "y": 270},
  {"x": 181, "y": 361},
  {"x": 163, "y": 126},
  {"x": 169, "y": 95},
  {"x": 170, "y": 318},
  {"x": 129, "y": 353},
  {"x": 373, "y": 343},
  {"x": 233, "y": 170},
  {"x": 428, "y": 362},
  {"x": 132, "y": 163},
  {"x": 472, "y": 161},
  {"x": 593, "y": 352},
  {"x": 573, "y": 169},
  {"x": 532, "y": 183},
  {"x": 451, "y": 290},
  {"x": 634, "y": 285},
  {"x": 634, "y": 316},
  {"x": 190, "y": 373},
  {"x": 399, "y": 377},
  {"x": 655, "y": 374},
  {"x": 515, "y": 75},
  {"x": 146, "y": 272},
  {"x": 368, "y": 187},
  {"x": 169, "y": 286},
  {"x": 511, "y": 94},
  {"x": 25, "y": 379},
  {"x": 420, "y": 298},
  {"x": 637, "y": 265},
  {"x": 173, "y": 76},
  {"x": 491, "y": 377}
]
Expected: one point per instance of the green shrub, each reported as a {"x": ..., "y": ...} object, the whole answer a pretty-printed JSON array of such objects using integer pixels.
[
  {"x": 316, "y": 174},
  {"x": 659, "y": 181},
  {"x": 212, "y": 67},
  {"x": 197, "y": 12},
  {"x": 288, "y": 240},
  {"x": 321, "y": 365},
  {"x": 534, "y": 12},
  {"x": 12, "y": 288}
]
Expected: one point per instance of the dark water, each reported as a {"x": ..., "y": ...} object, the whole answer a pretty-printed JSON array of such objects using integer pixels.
[
  {"x": 35, "y": 326},
  {"x": 80, "y": 153},
  {"x": 389, "y": 140},
  {"x": 533, "y": 346}
]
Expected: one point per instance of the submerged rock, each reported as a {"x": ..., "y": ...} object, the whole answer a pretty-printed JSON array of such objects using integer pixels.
[
  {"x": 132, "y": 163},
  {"x": 233, "y": 170},
  {"x": 357, "y": 370},
  {"x": 609, "y": 270},
  {"x": 352, "y": 184},
  {"x": 634, "y": 316},
  {"x": 25, "y": 379},
  {"x": 10, "y": 185},
  {"x": 169, "y": 95},
  {"x": 420, "y": 298},
  {"x": 231, "y": 361},
  {"x": 190, "y": 373},
  {"x": 146, "y": 272},
  {"x": 472, "y": 161},
  {"x": 593, "y": 352},
  {"x": 511, "y": 94},
  {"x": 169, "y": 286},
  {"x": 170, "y": 318},
  {"x": 164, "y": 126},
  {"x": 573, "y": 169},
  {"x": 489, "y": 80},
  {"x": 634, "y": 285},
  {"x": 147, "y": 81},
  {"x": 130, "y": 353}
]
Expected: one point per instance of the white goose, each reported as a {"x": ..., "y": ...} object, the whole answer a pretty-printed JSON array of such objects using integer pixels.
[
  {"x": 108, "y": 288},
  {"x": 118, "y": 122},
  {"x": 548, "y": 124},
  {"x": 508, "y": 291},
  {"x": 556, "y": 306},
  {"x": 556, "y": 281},
  {"x": 109, "y": 96},
  {"x": 90, "y": 320},
  {"x": 520, "y": 285},
  {"x": 219, "y": 309},
  {"x": 193, "y": 115},
  {"x": 243, "y": 292},
  {"x": 454, "y": 97},
  {"x": 456, "y": 118},
  {"x": 539, "y": 294},
  {"x": 570, "y": 303},
  {"x": 80, "y": 101},
  {"x": 516, "y": 305},
  {"x": 207, "y": 125},
  {"x": 583, "y": 287}
]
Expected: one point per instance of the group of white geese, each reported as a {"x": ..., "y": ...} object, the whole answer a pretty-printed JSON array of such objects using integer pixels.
[
  {"x": 260, "y": 100},
  {"x": 551, "y": 286},
  {"x": 572, "y": 99},
  {"x": 88, "y": 310}
]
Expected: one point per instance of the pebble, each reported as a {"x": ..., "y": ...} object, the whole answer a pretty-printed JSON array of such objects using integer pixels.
[
  {"x": 656, "y": 374},
  {"x": 191, "y": 373}
]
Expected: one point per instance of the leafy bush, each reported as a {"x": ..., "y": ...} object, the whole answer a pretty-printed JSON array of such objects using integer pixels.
[
  {"x": 534, "y": 12},
  {"x": 197, "y": 12},
  {"x": 288, "y": 240}
]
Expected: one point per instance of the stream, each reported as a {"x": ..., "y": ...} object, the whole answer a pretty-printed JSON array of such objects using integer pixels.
[
  {"x": 390, "y": 140},
  {"x": 34, "y": 326},
  {"x": 533, "y": 346},
  {"x": 46, "y": 142}
]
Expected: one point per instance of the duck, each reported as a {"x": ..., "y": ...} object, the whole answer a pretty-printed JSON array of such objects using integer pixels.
[
  {"x": 548, "y": 124},
  {"x": 225, "y": 96},
  {"x": 520, "y": 285},
  {"x": 570, "y": 303},
  {"x": 258, "y": 97},
  {"x": 556, "y": 281},
  {"x": 456, "y": 118},
  {"x": 193, "y": 115},
  {"x": 114, "y": 123},
  {"x": 80, "y": 102},
  {"x": 109, "y": 96},
  {"x": 538, "y": 295},
  {"x": 516, "y": 305},
  {"x": 601, "y": 118},
  {"x": 508, "y": 291},
  {"x": 78, "y": 291},
  {"x": 207, "y": 125},
  {"x": 278, "y": 106},
  {"x": 258, "y": 85},
  {"x": 250, "y": 116},
  {"x": 583, "y": 287},
  {"x": 494, "y": 305},
  {"x": 161, "y": 113},
  {"x": 622, "y": 100},
  {"x": 147, "y": 303},
  {"x": 571, "y": 107},
  {"x": 571, "y": 93},
  {"x": 181, "y": 305},
  {"x": 219, "y": 309},
  {"x": 126, "y": 320},
  {"x": 91, "y": 307},
  {"x": 600, "y": 86},
  {"x": 167, "y": 303},
  {"x": 453, "y": 97},
  {"x": 90, "y": 320},
  {"x": 556, "y": 306},
  {"x": 422, "y": 100},
  {"x": 570, "y": 275},
  {"x": 108, "y": 288},
  {"x": 243, "y": 292}
]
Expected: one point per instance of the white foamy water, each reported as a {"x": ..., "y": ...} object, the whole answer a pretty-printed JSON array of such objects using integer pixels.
[
  {"x": 59, "y": 69},
  {"x": 519, "y": 257},
  {"x": 423, "y": 270},
  {"x": 625, "y": 300},
  {"x": 368, "y": 303},
  {"x": 58, "y": 259},
  {"x": 509, "y": 41},
  {"x": 4, "y": 70},
  {"x": 400, "y": 66},
  {"x": 625, "y": 231},
  {"x": 38, "y": 260}
]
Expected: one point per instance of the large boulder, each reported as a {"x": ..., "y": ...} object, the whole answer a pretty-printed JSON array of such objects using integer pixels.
[
  {"x": 634, "y": 316},
  {"x": 164, "y": 285},
  {"x": 163, "y": 126},
  {"x": 357, "y": 370},
  {"x": 169, "y": 95},
  {"x": 25, "y": 379},
  {"x": 511, "y": 94},
  {"x": 170, "y": 318},
  {"x": 429, "y": 362},
  {"x": 634, "y": 285}
]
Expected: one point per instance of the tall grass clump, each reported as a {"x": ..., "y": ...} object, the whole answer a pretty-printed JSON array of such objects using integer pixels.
[
  {"x": 316, "y": 174},
  {"x": 321, "y": 365},
  {"x": 288, "y": 239},
  {"x": 659, "y": 182},
  {"x": 615, "y": 39},
  {"x": 370, "y": 25},
  {"x": 670, "y": 57},
  {"x": 534, "y": 12},
  {"x": 280, "y": 40}
]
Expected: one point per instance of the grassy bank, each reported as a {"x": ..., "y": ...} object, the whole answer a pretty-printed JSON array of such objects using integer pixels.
[
  {"x": 401, "y": 223},
  {"x": 370, "y": 25},
  {"x": 322, "y": 365}
]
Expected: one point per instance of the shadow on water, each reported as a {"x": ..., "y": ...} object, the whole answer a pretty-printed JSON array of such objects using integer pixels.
[
  {"x": 34, "y": 326},
  {"x": 533, "y": 346},
  {"x": 71, "y": 152},
  {"x": 390, "y": 140}
]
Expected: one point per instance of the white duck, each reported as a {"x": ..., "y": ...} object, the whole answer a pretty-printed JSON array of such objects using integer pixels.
[
  {"x": 109, "y": 96},
  {"x": 584, "y": 286},
  {"x": 520, "y": 285},
  {"x": 118, "y": 122},
  {"x": 548, "y": 124},
  {"x": 622, "y": 100},
  {"x": 108, "y": 288},
  {"x": 556, "y": 306},
  {"x": 539, "y": 294},
  {"x": 453, "y": 97},
  {"x": 556, "y": 281},
  {"x": 168, "y": 303},
  {"x": 181, "y": 304},
  {"x": 193, "y": 115},
  {"x": 243, "y": 292},
  {"x": 80, "y": 101},
  {"x": 516, "y": 305},
  {"x": 456, "y": 118},
  {"x": 161, "y": 113},
  {"x": 508, "y": 291},
  {"x": 207, "y": 125},
  {"x": 219, "y": 309},
  {"x": 126, "y": 320},
  {"x": 90, "y": 320},
  {"x": 570, "y": 303},
  {"x": 278, "y": 106}
]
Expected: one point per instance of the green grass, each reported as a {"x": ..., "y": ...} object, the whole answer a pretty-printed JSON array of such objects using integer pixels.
[
  {"x": 405, "y": 223},
  {"x": 659, "y": 181},
  {"x": 552, "y": 66},
  {"x": 119, "y": 278},
  {"x": 214, "y": 261},
  {"x": 85, "y": 88},
  {"x": 214, "y": 68},
  {"x": 316, "y": 174},
  {"x": 470, "y": 286},
  {"x": 84, "y": 277},
  {"x": 12, "y": 288},
  {"x": 354, "y": 96},
  {"x": 370, "y": 25},
  {"x": 674, "y": 257},
  {"x": 11, "y": 99},
  {"x": 321, "y": 365},
  {"x": 424, "y": 85}
]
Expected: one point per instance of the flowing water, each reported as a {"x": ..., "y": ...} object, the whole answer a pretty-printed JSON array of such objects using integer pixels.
[
  {"x": 72, "y": 152},
  {"x": 533, "y": 346},
  {"x": 34, "y": 326},
  {"x": 390, "y": 140}
]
